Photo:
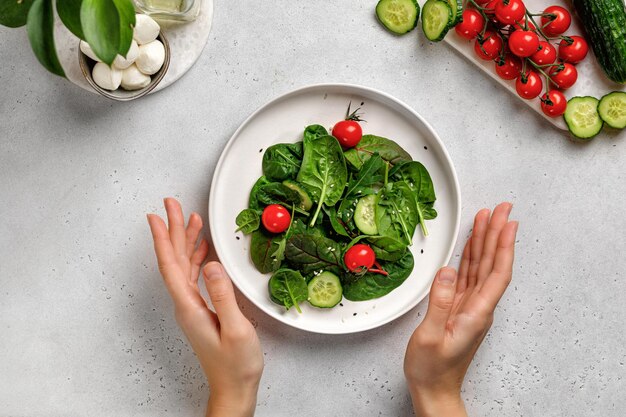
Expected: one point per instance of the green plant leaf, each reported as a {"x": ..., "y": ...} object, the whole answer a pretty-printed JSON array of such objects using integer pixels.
[
  {"x": 13, "y": 13},
  {"x": 69, "y": 12},
  {"x": 248, "y": 221},
  {"x": 287, "y": 287},
  {"x": 40, "y": 27},
  {"x": 101, "y": 26},
  {"x": 389, "y": 150},
  {"x": 282, "y": 161},
  {"x": 126, "y": 11},
  {"x": 313, "y": 253}
]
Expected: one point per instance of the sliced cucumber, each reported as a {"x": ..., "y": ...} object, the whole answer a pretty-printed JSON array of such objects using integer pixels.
[
  {"x": 457, "y": 11},
  {"x": 437, "y": 19},
  {"x": 582, "y": 118},
  {"x": 612, "y": 109},
  {"x": 399, "y": 16},
  {"x": 365, "y": 215},
  {"x": 325, "y": 290},
  {"x": 305, "y": 199}
]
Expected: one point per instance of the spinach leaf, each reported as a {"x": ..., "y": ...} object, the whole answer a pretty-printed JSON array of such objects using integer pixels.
[
  {"x": 262, "y": 248},
  {"x": 396, "y": 212},
  {"x": 253, "y": 201},
  {"x": 345, "y": 214},
  {"x": 387, "y": 248},
  {"x": 282, "y": 161},
  {"x": 248, "y": 221},
  {"x": 335, "y": 223},
  {"x": 311, "y": 253},
  {"x": 369, "y": 174},
  {"x": 370, "y": 286},
  {"x": 288, "y": 287},
  {"x": 323, "y": 172},
  {"x": 277, "y": 193},
  {"x": 314, "y": 131},
  {"x": 417, "y": 178},
  {"x": 389, "y": 150}
]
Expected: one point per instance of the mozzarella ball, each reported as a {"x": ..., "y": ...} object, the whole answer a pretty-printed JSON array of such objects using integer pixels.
[
  {"x": 107, "y": 77},
  {"x": 151, "y": 57},
  {"x": 146, "y": 29},
  {"x": 121, "y": 62},
  {"x": 133, "y": 79},
  {"x": 86, "y": 49}
]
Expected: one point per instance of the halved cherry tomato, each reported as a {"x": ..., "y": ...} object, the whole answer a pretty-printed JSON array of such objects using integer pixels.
[
  {"x": 528, "y": 85},
  {"x": 573, "y": 50},
  {"x": 545, "y": 55},
  {"x": 359, "y": 257},
  {"x": 556, "y": 20},
  {"x": 564, "y": 78},
  {"x": 553, "y": 103},
  {"x": 348, "y": 133},
  {"x": 471, "y": 25},
  {"x": 276, "y": 218},
  {"x": 509, "y": 68},
  {"x": 510, "y": 11},
  {"x": 523, "y": 43},
  {"x": 489, "y": 47}
]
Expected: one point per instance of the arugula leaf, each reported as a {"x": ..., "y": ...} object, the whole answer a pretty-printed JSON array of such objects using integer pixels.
[
  {"x": 311, "y": 253},
  {"x": 416, "y": 177},
  {"x": 396, "y": 212},
  {"x": 369, "y": 174},
  {"x": 389, "y": 151},
  {"x": 314, "y": 131},
  {"x": 69, "y": 12},
  {"x": 288, "y": 287},
  {"x": 248, "y": 221},
  {"x": 40, "y": 28},
  {"x": 323, "y": 171},
  {"x": 282, "y": 161},
  {"x": 13, "y": 13}
]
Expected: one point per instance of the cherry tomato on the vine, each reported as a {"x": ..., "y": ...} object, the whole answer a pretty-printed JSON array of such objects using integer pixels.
[
  {"x": 276, "y": 218},
  {"x": 528, "y": 85},
  {"x": 553, "y": 103},
  {"x": 490, "y": 10},
  {"x": 556, "y": 20},
  {"x": 348, "y": 133},
  {"x": 523, "y": 43},
  {"x": 359, "y": 257},
  {"x": 509, "y": 68},
  {"x": 522, "y": 25},
  {"x": 489, "y": 46},
  {"x": 564, "y": 77},
  {"x": 471, "y": 25},
  {"x": 573, "y": 50},
  {"x": 509, "y": 11},
  {"x": 545, "y": 55}
]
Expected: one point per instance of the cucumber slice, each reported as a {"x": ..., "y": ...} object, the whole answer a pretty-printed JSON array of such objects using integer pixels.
[
  {"x": 457, "y": 11},
  {"x": 365, "y": 215},
  {"x": 325, "y": 290},
  {"x": 582, "y": 118},
  {"x": 436, "y": 19},
  {"x": 305, "y": 199},
  {"x": 612, "y": 109},
  {"x": 399, "y": 16}
]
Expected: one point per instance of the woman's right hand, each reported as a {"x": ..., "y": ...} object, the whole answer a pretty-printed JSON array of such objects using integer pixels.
[{"x": 460, "y": 312}]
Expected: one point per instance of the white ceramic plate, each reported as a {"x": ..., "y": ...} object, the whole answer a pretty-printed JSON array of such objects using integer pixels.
[
  {"x": 591, "y": 79},
  {"x": 283, "y": 120}
]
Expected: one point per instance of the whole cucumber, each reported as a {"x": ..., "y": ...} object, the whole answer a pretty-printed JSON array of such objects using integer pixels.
[{"x": 605, "y": 24}]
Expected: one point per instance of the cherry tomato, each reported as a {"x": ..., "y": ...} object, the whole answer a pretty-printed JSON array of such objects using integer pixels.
[
  {"x": 523, "y": 43},
  {"x": 545, "y": 55},
  {"x": 276, "y": 218},
  {"x": 530, "y": 86},
  {"x": 509, "y": 68},
  {"x": 482, "y": 3},
  {"x": 491, "y": 46},
  {"x": 566, "y": 77},
  {"x": 348, "y": 133},
  {"x": 574, "y": 51},
  {"x": 509, "y": 11},
  {"x": 557, "y": 22},
  {"x": 358, "y": 257},
  {"x": 471, "y": 25},
  {"x": 490, "y": 10},
  {"x": 553, "y": 103}
]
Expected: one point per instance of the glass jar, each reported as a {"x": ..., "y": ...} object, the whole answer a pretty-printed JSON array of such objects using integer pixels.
[{"x": 177, "y": 10}]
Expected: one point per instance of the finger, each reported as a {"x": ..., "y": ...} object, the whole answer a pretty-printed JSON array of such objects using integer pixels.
[
  {"x": 222, "y": 295},
  {"x": 464, "y": 267},
  {"x": 194, "y": 227},
  {"x": 498, "y": 220},
  {"x": 497, "y": 282},
  {"x": 198, "y": 257},
  {"x": 441, "y": 300},
  {"x": 476, "y": 247},
  {"x": 166, "y": 258},
  {"x": 176, "y": 222}
]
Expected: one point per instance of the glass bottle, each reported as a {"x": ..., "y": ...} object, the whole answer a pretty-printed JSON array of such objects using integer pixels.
[{"x": 177, "y": 10}]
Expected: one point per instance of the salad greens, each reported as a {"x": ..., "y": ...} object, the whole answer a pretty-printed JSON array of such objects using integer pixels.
[{"x": 372, "y": 194}]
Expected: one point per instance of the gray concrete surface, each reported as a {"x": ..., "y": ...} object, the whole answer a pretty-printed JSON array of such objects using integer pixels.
[{"x": 86, "y": 328}]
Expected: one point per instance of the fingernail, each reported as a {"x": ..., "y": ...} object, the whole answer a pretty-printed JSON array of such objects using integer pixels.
[
  {"x": 213, "y": 270},
  {"x": 447, "y": 276}
]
